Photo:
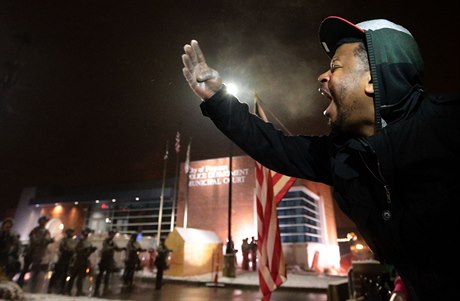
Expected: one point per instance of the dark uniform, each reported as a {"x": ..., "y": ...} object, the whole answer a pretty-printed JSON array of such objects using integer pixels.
[
  {"x": 253, "y": 247},
  {"x": 9, "y": 250},
  {"x": 39, "y": 239},
  {"x": 66, "y": 251},
  {"x": 245, "y": 250},
  {"x": 80, "y": 263},
  {"x": 132, "y": 262},
  {"x": 161, "y": 263},
  {"x": 107, "y": 262}
]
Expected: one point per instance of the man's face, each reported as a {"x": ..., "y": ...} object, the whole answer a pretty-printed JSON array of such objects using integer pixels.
[{"x": 348, "y": 86}]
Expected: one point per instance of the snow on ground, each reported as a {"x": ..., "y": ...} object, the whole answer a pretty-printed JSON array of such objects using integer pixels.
[
  {"x": 295, "y": 279},
  {"x": 54, "y": 297}
]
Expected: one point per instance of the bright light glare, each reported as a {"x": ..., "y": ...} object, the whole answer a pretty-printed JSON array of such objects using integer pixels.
[
  {"x": 232, "y": 88},
  {"x": 359, "y": 246}
]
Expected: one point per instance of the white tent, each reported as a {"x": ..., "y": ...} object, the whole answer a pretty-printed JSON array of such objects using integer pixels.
[{"x": 195, "y": 252}]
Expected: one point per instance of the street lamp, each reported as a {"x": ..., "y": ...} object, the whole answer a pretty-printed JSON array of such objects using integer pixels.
[
  {"x": 230, "y": 247},
  {"x": 232, "y": 88},
  {"x": 229, "y": 257}
]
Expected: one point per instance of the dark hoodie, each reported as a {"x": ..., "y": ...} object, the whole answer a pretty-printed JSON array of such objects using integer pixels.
[
  {"x": 418, "y": 155},
  {"x": 397, "y": 71},
  {"x": 398, "y": 185}
]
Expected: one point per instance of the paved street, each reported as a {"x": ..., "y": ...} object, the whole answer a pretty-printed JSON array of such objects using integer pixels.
[
  {"x": 180, "y": 291},
  {"x": 199, "y": 292},
  {"x": 189, "y": 292}
]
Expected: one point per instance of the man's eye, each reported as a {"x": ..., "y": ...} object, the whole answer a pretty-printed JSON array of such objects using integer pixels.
[{"x": 334, "y": 67}]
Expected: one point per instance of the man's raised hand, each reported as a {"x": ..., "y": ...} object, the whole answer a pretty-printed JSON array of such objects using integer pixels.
[{"x": 203, "y": 80}]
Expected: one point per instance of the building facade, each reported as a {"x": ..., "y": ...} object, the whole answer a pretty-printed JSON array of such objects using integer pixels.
[
  {"x": 306, "y": 213},
  {"x": 206, "y": 200}
]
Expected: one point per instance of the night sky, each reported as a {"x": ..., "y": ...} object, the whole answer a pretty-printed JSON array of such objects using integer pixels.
[{"x": 90, "y": 91}]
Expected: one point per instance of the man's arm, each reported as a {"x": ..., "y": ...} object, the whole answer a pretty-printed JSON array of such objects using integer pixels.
[{"x": 297, "y": 156}]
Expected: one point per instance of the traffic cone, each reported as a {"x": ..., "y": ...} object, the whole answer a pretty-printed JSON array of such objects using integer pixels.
[
  {"x": 315, "y": 261},
  {"x": 215, "y": 281}
]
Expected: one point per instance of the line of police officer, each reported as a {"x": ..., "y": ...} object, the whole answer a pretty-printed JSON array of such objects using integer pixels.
[{"x": 73, "y": 260}]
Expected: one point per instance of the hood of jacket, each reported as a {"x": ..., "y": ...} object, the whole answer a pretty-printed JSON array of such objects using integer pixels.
[{"x": 397, "y": 71}]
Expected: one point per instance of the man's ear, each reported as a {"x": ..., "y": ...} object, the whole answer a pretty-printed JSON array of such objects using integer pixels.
[{"x": 370, "y": 85}]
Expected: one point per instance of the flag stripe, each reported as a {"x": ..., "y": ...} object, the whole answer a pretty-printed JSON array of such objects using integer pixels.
[{"x": 270, "y": 189}]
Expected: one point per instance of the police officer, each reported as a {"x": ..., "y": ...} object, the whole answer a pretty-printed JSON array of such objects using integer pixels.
[
  {"x": 253, "y": 250},
  {"x": 107, "y": 262},
  {"x": 66, "y": 251},
  {"x": 132, "y": 262},
  {"x": 80, "y": 262},
  {"x": 161, "y": 263},
  {"x": 245, "y": 250},
  {"x": 39, "y": 239},
  {"x": 9, "y": 249}
]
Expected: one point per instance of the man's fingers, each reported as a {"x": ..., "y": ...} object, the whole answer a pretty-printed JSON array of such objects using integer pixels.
[
  {"x": 191, "y": 53},
  {"x": 199, "y": 54},
  {"x": 189, "y": 77},
  {"x": 187, "y": 63}
]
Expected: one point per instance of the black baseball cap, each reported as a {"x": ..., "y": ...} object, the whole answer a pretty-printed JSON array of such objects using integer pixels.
[{"x": 333, "y": 29}]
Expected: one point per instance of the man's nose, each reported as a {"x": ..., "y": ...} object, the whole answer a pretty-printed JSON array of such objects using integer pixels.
[{"x": 324, "y": 77}]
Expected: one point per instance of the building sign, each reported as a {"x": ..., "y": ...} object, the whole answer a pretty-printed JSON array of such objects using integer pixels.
[{"x": 216, "y": 175}]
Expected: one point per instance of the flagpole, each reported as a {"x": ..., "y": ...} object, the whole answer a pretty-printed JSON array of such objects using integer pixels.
[
  {"x": 160, "y": 213},
  {"x": 173, "y": 211},
  {"x": 187, "y": 177},
  {"x": 264, "y": 116},
  {"x": 230, "y": 247},
  {"x": 176, "y": 180},
  {"x": 187, "y": 174},
  {"x": 229, "y": 269}
]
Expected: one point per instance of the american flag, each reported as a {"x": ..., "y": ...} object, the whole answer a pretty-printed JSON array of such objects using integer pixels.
[
  {"x": 270, "y": 189},
  {"x": 177, "y": 145}
]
